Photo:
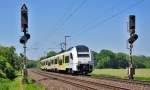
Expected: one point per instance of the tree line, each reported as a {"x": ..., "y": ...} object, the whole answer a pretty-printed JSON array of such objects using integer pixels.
[{"x": 109, "y": 59}]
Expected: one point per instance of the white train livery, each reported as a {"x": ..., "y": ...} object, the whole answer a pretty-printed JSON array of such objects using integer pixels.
[{"x": 77, "y": 59}]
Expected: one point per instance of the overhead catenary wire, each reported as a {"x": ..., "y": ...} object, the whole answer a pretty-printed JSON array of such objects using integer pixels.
[
  {"x": 62, "y": 17},
  {"x": 100, "y": 22},
  {"x": 74, "y": 11},
  {"x": 109, "y": 18},
  {"x": 99, "y": 16},
  {"x": 69, "y": 16},
  {"x": 66, "y": 13}
]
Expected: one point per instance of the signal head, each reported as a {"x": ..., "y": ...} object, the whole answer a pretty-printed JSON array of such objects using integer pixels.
[
  {"x": 133, "y": 38},
  {"x": 24, "y": 17},
  {"x": 132, "y": 24},
  {"x": 27, "y": 35},
  {"x": 23, "y": 40}
]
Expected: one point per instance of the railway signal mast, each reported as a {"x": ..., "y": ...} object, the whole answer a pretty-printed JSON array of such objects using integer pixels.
[
  {"x": 25, "y": 37},
  {"x": 61, "y": 46},
  {"x": 66, "y": 42},
  {"x": 133, "y": 37}
]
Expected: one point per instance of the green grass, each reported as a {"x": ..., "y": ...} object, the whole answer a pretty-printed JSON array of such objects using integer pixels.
[
  {"x": 6, "y": 84},
  {"x": 16, "y": 84},
  {"x": 140, "y": 74},
  {"x": 33, "y": 86}
]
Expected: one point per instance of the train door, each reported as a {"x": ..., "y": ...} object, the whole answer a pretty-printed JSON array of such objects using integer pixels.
[
  {"x": 57, "y": 63},
  {"x": 63, "y": 62},
  {"x": 51, "y": 64},
  {"x": 71, "y": 62},
  {"x": 60, "y": 62},
  {"x": 66, "y": 62}
]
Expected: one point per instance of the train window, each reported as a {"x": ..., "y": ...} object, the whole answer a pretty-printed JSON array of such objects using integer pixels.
[
  {"x": 48, "y": 63},
  {"x": 55, "y": 61},
  {"x": 82, "y": 48},
  {"x": 71, "y": 56},
  {"x": 60, "y": 62},
  {"x": 52, "y": 62},
  {"x": 63, "y": 58},
  {"x": 83, "y": 55},
  {"x": 66, "y": 59}
]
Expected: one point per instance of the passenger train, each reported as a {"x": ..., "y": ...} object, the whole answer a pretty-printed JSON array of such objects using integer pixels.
[{"x": 75, "y": 60}]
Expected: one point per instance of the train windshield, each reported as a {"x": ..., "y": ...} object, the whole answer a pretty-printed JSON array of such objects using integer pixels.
[
  {"x": 82, "y": 48},
  {"x": 82, "y": 51}
]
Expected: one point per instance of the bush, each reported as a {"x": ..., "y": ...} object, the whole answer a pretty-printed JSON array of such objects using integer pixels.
[
  {"x": 2, "y": 63},
  {"x": 2, "y": 74},
  {"x": 10, "y": 73}
]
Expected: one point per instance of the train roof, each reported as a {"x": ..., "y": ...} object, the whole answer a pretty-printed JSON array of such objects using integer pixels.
[{"x": 79, "y": 47}]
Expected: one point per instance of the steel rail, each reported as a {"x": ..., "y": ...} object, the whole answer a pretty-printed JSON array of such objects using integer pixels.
[{"x": 47, "y": 74}]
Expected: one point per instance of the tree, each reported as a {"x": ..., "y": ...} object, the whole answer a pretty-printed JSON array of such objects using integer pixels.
[
  {"x": 2, "y": 63},
  {"x": 9, "y": 62},
  {"x": 139, "y": 61},
  {"x": 105, "y": 59},
  {"x": 31, "y": 64},
  {"x": 122, "y": 60},
  {"x": 94, "y": 57},
  {"x": 51, "y": 53}
]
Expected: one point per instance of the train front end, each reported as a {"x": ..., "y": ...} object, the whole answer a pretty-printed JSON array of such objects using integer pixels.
[{"x": 84, "y": 59}]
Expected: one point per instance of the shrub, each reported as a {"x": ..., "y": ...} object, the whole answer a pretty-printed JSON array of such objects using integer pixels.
[
  {"x": 10, "y": 73},
  {"x": 2, "y": 74}
]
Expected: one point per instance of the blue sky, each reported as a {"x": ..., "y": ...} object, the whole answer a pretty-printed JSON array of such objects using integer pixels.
[{"x": 99, "y": 24}]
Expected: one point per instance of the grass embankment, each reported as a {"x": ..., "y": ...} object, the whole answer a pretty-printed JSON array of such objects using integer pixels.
[
  {"x": 33, "y": 86},
  {"x": 16, "y": 84},
  {"x": 140, "y": 74},
  {"x": 6, "y": 84}
]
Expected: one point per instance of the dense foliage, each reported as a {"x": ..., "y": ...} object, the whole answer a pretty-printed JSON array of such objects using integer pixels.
[
  {"x": 9, "y": 62},
  {"x": 32, "y": 64},
  {"x": 49, "y": 54},
  {"x": 109, "y": 59}
]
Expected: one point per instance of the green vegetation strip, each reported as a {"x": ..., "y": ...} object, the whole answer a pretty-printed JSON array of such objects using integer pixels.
[
  {"x": 6, "y": 84},
  {"x": 33, "y": 86},
  {"x": 140, "y": 74},
  {"x": 16, "y": 84}
]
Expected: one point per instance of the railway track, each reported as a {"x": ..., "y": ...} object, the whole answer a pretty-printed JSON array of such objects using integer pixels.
[
  {"x": 80, "y": 81},
  {"x": 136, "y": 82},
  {"x": 123, "y": 83}
]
